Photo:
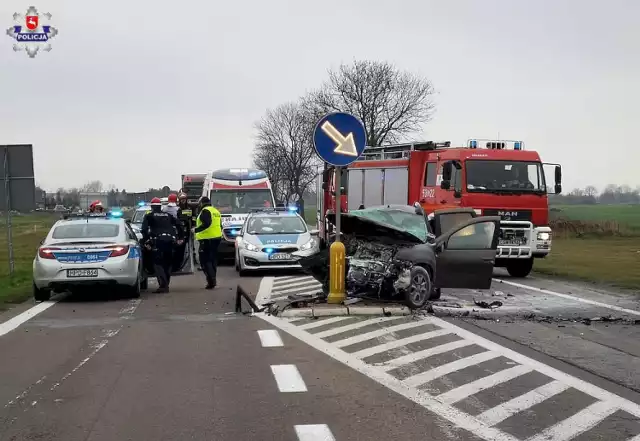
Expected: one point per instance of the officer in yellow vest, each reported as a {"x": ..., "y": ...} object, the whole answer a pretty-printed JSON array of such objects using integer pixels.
[{"x": 209, "y": 234}]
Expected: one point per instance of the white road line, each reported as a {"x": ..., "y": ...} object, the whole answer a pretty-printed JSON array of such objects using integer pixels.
[
  {"x": 437, "y": 372},
  {"x": 305, "y": 283},
  {"x": 466, "y": 390},
  {"x": 298, "y": 290},
  {"x": 581, "y": 422},
  {"x": 379, "y": 333},
  {"x": 314, "y": 432},
  {"x": 21, "y": 318},
  {"x": 296, "y": 319},
  {"x": 505, "y": 410},
  {"x": 283, "y": 278},
  {"x": 319, "y": 323},
  {"x": 288, "y": 378},
  {"x": 570, "y": 297},
  {"x": 264, "y": 291},
  {"x": 456, "y": 416},
  {"x": 576, "y": 383},
  {"x": 415, "y": 356},
  {"x": 269, "y": 338},
  {"x": 368, "y": 352},
  {"x": 353, "y": 326}
]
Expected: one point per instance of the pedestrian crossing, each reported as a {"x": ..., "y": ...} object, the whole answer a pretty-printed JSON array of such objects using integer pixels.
[{"x": 490, "y": 390}]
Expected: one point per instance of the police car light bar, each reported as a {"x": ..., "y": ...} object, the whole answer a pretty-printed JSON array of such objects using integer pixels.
[
  {"x": 495, "y": 144},
  {"x": 141, "y": 204},
  {"x": 270, "y": 209}
]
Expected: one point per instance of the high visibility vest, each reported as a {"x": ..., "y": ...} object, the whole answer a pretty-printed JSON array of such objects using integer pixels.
[{"x": 215, "y": 230}]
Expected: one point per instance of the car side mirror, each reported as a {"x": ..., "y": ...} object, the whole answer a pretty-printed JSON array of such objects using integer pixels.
[
  {"x": 558, "y": 175},
  {"x": 558, "y": 188}
]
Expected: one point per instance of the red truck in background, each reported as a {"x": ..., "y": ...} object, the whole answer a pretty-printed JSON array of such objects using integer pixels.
[{"x": 494, "y": 177}]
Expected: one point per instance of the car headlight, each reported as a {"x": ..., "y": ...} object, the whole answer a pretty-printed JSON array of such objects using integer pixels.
[
  {"x": 309, "y": 245},
  {"x": 544, "y": 236},
  {"x": 249, "y": 246}
]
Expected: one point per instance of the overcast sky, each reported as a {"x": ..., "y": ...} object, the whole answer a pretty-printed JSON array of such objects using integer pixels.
[{"x": 135, "y": 93}]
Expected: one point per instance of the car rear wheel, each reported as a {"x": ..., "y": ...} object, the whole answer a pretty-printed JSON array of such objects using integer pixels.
[
  {"x": 420, "y": 289},
  {"x": 520, "y": 267},
  {"x": 144, "y": 283},
  {"x": 41, "y": 295},
  {"x": 134, "y": 291}
]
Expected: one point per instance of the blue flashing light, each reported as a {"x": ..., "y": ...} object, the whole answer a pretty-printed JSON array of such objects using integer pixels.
[
  {"x": 473, "y": 144},
  {"x": 292, "y": 208},
  {"x": 517, "y": 145},
  {"x": 141, "y": 204},
  {"x": 235, "y": 232},
  {"x": 269, "y": 250},
  {"x": 116, "y": 214}
]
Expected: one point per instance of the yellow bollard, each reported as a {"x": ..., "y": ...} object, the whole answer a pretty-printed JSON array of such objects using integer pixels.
[{"x": 336, "y": 273}]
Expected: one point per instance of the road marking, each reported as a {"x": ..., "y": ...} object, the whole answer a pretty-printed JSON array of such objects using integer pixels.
[
  {"x": 580, "y": 422},
  {"x": 288, "y": 378},
  {"x": 440, "y": 371},
  {"x": 503, "y": 411},
  {"x": 466, "y": 390},
  {"x": 570, "y": 297},
  {"x": 21, "y": 318},
  {"x": 378, "y": 333},
  {"x": 394, "y": 344},
  {"x": 269, "y": 338},
  {"x": 353, "y": 326},
  {"x": 425, "y": 353},
  {"x": 296, "y": 286},
  {"x": 314, "y": 432},
  {"x": 319, "y": 323},
  {"x": 264, "y": 291}
]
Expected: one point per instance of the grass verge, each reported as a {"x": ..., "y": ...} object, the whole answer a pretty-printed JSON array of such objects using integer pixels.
[
  {"x": 610, "y": 260},
  {"x": 28, "y": 231}
]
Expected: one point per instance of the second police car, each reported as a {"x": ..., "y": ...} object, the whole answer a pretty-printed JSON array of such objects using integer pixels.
[{"x": 270, "y": 237}]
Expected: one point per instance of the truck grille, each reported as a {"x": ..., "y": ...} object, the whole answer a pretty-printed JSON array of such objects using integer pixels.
[{"x": 514, "y": 239}]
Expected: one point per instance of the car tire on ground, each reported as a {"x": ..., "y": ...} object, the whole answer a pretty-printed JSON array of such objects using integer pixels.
[
  {"x": 420, "y": 289},
  {"x": 41, "y": 295},
  {"x": 520, "y": 267},
  {"x": 144, "y": 283},
  {"x": 134, "y": 291}
]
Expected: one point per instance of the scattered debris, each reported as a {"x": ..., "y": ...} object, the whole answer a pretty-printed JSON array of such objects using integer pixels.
[{"x": 485, "y": 305}]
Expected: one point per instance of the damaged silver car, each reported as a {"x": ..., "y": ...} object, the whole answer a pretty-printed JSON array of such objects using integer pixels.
[{"x": 397, "y": 252}]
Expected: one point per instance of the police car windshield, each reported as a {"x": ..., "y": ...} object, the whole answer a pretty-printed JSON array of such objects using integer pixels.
[
  {"x": 240, "y": 201},
  {"x": 505, "y": 176},
  {"x": 285, "y": 224},
  {"x": 86, "y": 230},
  {"x": 138, "y": 216}
]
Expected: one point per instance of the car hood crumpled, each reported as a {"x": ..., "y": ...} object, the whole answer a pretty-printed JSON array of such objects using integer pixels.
[{"x": 370, "y": 230}]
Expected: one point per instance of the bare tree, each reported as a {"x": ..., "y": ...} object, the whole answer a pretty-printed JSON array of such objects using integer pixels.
[
  {"x": 284, "y": 149},
  {"x": 392, "y": 104},
  {"x": 93, "y": 187},
  {"x": 591, "y": 191}
]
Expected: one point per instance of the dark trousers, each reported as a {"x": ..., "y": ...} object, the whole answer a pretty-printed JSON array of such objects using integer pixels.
[
  {"x": 162, "y": 260},
  {"x": 208, "y": 254}
]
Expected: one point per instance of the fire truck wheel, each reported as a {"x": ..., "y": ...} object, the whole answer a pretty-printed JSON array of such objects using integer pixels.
[{"x": 520, "y": 267}]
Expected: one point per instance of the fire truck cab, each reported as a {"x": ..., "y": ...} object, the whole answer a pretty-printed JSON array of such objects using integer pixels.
[{"x": 494, "y": 177}]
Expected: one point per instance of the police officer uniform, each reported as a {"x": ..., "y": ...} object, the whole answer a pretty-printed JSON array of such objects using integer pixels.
[
  {"x": 208, "y": 234},
  {"x": 162, "y": 229}
]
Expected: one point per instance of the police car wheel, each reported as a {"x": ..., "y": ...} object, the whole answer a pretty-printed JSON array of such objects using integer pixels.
[
  {"x": 41, "y": 295},
  {"x": 144, "y": 283},
  {"x": 243, "y": 273}
]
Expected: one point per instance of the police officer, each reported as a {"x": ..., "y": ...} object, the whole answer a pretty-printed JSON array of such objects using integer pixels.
[
  {"x": 163, "y": 229},
  {"x": 208, "y": 234}
]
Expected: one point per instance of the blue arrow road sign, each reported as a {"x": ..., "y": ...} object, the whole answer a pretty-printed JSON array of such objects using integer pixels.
[{"x": 339, "y": 139}]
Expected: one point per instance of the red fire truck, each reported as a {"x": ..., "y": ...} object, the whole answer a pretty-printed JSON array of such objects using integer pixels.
[{"x": 494, "y": 177}]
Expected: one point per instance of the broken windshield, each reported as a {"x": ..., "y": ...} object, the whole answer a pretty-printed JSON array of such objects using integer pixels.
[{"x": 408, "y": 221}]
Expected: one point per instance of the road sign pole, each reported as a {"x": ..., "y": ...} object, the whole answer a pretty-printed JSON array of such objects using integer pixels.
[
  {"x": 337, "y": 251},
  {"x": 7, "y": 195}
]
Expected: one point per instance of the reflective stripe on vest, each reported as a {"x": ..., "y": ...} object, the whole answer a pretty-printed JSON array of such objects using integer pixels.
[
  {"x": 186, "y": 212},
  {"x": 215, "y": 230}
]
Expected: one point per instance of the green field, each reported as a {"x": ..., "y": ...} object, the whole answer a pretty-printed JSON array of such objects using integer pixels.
[
  {"x": 28, "y": 231},
  {"x": 625, "y": 215}
]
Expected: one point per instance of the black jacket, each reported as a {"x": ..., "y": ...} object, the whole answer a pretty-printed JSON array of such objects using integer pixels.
[{"x": 155, "y": 224}]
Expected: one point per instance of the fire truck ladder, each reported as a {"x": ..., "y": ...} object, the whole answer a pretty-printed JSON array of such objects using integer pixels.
[{"x": 399, "y": 151}]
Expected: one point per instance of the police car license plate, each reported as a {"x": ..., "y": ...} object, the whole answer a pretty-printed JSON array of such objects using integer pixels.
[
  {"x": 280, "y": 256},
  {"x": 82, "y": 273}
]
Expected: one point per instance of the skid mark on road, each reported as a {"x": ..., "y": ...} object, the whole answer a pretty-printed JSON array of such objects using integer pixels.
[{"x": 493, "y": 392}]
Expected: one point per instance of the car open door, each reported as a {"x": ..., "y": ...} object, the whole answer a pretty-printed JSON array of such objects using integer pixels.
[{"x": 466, "y": 254}]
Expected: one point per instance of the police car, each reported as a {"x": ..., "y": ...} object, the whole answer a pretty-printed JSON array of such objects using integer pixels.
[
  {"x": 87, "y": 250},
  {"x": 138, "y": 216},
  {"x": 270, "y": 237}
]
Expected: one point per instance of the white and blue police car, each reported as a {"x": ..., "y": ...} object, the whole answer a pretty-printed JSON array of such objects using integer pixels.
[{"x": 270, "y": 237}]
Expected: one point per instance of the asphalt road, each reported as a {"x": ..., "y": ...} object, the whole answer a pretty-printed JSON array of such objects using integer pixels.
[
  {"x": 183, "y": 366},
  {"x": 178, "y": 366}
]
